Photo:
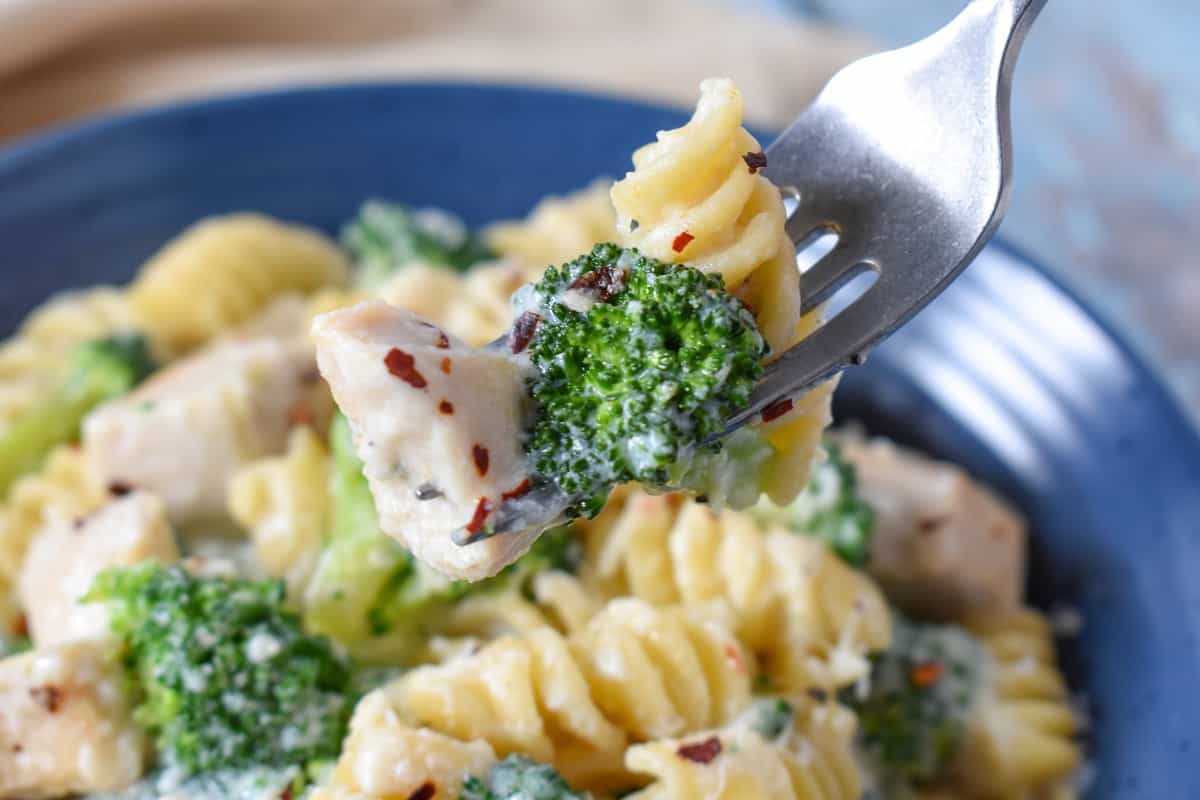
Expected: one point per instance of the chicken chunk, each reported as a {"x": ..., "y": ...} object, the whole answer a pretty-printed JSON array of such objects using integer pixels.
[
  {"x": 438, "y": 426},
  {"x": 943, "y": 545},
  {"x": 66, "y": 725},
  {"x": 185, "y": 431},
  {"x": 68, "y": 554}
]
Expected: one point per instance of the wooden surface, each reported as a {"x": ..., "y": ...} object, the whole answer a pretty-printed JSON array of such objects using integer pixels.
[{"x": 1106, "y": 122}]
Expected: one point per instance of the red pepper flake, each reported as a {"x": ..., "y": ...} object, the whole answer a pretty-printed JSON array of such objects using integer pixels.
[
  {"x": 927, "y": 674},
  {"x": 21, "y": 626},
  {"x": 286, "y": 794},
  {"x": 401, "y": 364},
  {"x": 603, "y": 283},
  {"x": 482, "y": 510},
  {"x": 446, "y": 407},
  {"x": 443, "y": 342},
  {"x": 119, "y": 488},
  {"x": 446, "y": 365},
  {"x": 424, "y": 792},
  {"x": 482, "y": 458},
  {"x": 681, "y": 241},
  {"x": 755, "y": 161},
  {"x": 48, "y": 696},
  {"x": 301, "y": 415},
  {"x": 777, "y": 409},
  {"x": 523, "y": 330},
  {"x": 18, "y": 748},
  {"x": 520, "y": 489},
  {"x": 734, "y": 657},
  {"x": 701, "y": 752}
]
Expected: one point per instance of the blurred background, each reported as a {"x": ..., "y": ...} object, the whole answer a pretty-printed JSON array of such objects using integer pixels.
[{"x": 1106, "y": 103}]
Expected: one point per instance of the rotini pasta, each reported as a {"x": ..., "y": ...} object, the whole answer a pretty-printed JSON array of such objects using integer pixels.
[
  {"x": 223, "y": 270},
  {"x": 811, "y": 618},
  {"x": 1019, "y": 740},
  {"x": 813, "y": 759},
  {"x": 632, "y": 673},
  {"x": 558, "y": 229},
  {"x": 694, "y": 198}
]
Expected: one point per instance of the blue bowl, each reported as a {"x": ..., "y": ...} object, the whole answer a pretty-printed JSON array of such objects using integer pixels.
[{"x": 1008, "y": 373}]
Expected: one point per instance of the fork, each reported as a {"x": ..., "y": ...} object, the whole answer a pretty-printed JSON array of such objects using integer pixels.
[{"x": 906, "y": 157}]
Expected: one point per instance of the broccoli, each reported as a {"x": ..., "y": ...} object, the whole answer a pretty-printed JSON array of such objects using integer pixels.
[
  {"x": 519, "y": 778},
  {"x": 770, "y": 717},
  {"x": 229, "y": 679},
  {"x": 637, "y": 362},
  {"x": 923, "y": 687},
  {"x": 385, "y": 236},
  {"x": 253, "y": 783},
  {"x": 369, "y": 593},
  {"x": 830, "y": 509},
  {"x": 100, "y": 370}
]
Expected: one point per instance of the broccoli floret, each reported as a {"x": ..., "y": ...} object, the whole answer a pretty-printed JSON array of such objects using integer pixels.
[
  {"x": 830, "y": 509},
  {"x": 100, "y": 370},
  {"x": 228, "y": 677},
  {"x": 520, "y": 778},
  {"x": 253, "y": 783},
  {"x": 385, "y": 236},
  {"x": 770, "y": 717},
  {"x": 369, "y": 593},
  {"x": 922, "y": 689},
  {"x": 636, "y": 362}
]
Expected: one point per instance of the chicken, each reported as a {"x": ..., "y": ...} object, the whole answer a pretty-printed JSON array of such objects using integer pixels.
[
  {"x": 68, "y": 554},
  {"x": 438, "y": 426},
  {"x": 66, "y": 724},
  {"x": 943, "y": 544},
  {"x": 185, "y": 431}
]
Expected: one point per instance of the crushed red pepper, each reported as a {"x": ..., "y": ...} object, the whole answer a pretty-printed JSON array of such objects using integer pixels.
[
  {"x": 777, "y": 409},
  {"x": 482, "y": 459},
  {"x": 482, "y": 509},
  {"x": 755, "y": 161},
  {"x": 734, "y": 657},
  {"x": 402, "y": 365},
  {"x": 119, "y": 488},
  {"x": 701, "y": 752},
  {"x": 49, "y": 697},
  {"x": 927, "y": 674},
  {"x": 603, "y": 283},
  {"x": 446, "y": 407},
  {"x": 301, "y": 415},
  {"x": 681, "y": 241},
  {"x": 519, "y": 490},
  {"x": 446, "y": 365},
  {"x": 21, "y": 626},
  {"x": 424, "y": 792},
  {"x": 286, "y": 794},
  {"x": 523, "y": 330},
  {"x": 443, "y": 341}
]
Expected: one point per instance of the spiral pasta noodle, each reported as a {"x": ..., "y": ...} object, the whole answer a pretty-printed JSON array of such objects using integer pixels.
[
  {"x": 632, "y": 673},
  {"x": 1019, "y": 741},
  {"x": 558, "y": 229},
  {"x": 813, "y": 760},
  {"x": 223, "y": 270},
  {"x": 810, "y": 618}
]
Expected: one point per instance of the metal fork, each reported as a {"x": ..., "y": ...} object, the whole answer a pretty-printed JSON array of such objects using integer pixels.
[{"x": 906, "y": 156}]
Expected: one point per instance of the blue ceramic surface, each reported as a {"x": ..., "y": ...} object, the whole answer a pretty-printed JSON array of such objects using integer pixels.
[{"x": 1007, "y": 373}]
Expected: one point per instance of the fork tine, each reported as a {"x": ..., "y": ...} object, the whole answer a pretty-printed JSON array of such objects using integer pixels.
[{"x": 822, "y": 280}]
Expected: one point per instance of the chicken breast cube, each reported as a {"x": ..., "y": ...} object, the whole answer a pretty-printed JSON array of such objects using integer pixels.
[
  {"x": 943, "y": 544},
  {"x": 185, "y": 431},
  {"x": 67, "y": 555},
  {"x": 438, "y": 426},
  {"x": 65, "y": 723}
]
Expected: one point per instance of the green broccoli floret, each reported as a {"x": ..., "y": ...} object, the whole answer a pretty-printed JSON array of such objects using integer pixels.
[
  {"x": 771, "y": 716},
  {"x": 370, "y": 594},
  {"x": 384, "y": 236},
  {"x": 637, "y": 362},
  {"x": 252, "y": 783},
  {"x": 520, "y": 778},
  {"x": 922, "y": 690},
  {"x": 100, "y": 370},
  {"x": 228, "y": 677},
  {"x": 830, "y": 509}
]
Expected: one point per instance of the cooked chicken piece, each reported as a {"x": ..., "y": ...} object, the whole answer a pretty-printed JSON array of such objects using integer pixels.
[
  {"x": 68, "y": 554},
  {"x": 943, "y": 545},
  {"x": 65, "y": 723},
  {"x": 438, "y": 426},
  {"x": 185, "y": 431}
]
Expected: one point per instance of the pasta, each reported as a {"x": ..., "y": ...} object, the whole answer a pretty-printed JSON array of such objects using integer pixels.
[
  {"x": 694, "y": 198},
  {"x": 811, "y": 618},
  {"x": 812, "y": 760},
  {"x": 633, "y": 672},
  {"x": 1019, "y": 741},
  {"x": 223, "y": 270},
  {"x": 558, "y": 229}
]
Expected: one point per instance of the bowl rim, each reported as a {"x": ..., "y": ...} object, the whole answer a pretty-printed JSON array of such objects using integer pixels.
[{"x": 45, "y": 143}]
